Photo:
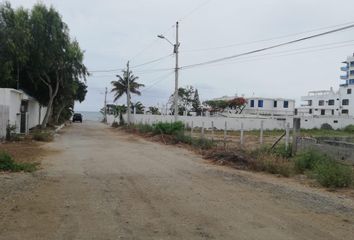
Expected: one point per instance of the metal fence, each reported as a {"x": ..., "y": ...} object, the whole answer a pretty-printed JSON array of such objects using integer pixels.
[{"x": 4, "y": 120}]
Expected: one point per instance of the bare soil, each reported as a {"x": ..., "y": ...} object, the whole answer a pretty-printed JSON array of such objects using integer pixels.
[{"x": 100, "y": 183}]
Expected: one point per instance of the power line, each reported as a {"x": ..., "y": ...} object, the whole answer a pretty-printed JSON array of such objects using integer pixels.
[
  {"x": 267, "y": 48},
  {"x": 273, "y": 55},
  {"x": 158, "y": 80},
  {"x": 194, "y": 10},
  {"x": 264, "y": 40},
  {"x": 153, "y": 61}
]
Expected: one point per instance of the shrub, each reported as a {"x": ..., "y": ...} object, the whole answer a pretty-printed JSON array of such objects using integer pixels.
[
  {"x": 145, "y": 128},
  {"x": 307, "y": 160},
  {"x": 168, "y": 128},
  {"x": 283, "y": 151},
  {"x": 333, "y": 174},
  {"x": 201, "y": 143},
  {"x": 349, "y": 128},
  {"x": 42, "y": 136},
  {"x": 272, "y": 164},
  {"x": 8, "y": 164},
  {"x": 115, "y": 124},
  {"x": 326, "y": 126}
]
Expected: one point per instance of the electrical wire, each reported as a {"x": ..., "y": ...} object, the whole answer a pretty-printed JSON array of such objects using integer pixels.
[
  {"x": 274, "y": 55},
  {"x": 264, "y": 40},
  {"x": 266, "y": 48},
  {"x": 152, "y": 61},
  {"x": 157, "y": 80},
  {"x": 194, "y": 10}
]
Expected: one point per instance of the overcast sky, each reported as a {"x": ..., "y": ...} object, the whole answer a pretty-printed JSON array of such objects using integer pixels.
[{"x": 114, "y": 31}]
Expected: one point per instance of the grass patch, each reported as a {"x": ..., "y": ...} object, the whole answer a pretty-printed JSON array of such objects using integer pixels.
[
  {"x": 8, "y": 164},
  {"x": 327, "y": 171},
  {"x": 200, "y": 143},
  {"x": 168, "y": 128},
  {"x": 42, "y": 136}
]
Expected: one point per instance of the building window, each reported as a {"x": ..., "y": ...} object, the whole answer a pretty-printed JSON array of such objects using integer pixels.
[
  {"x": 335, "y": 121},
  {"x": 352, "y": 64},
  {"x": 260, "y": 103},
  {"x": 252, "y": 103},
  {"x": 321, "y": 103},
  {"x": 349, "y": 91},
  {"x": 351, "y": 72},
  {"x": 331, "y": 102},
  {"x": 286, "y": 104},
  {"x": 275, "y": 104},
  {"x": 345, "y": 111},
  {"x": 310, "y": 102},
  {"x": 345, "y": 102},
  {"x": 310, "y": 111},
  {"x": 351, "y": 81},
  {"x": 323, "y": 112},
  {"x": 332, "y": 112}
]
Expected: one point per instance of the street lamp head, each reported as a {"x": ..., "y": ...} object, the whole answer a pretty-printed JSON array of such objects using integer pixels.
[{"x": 161, "y": 36}]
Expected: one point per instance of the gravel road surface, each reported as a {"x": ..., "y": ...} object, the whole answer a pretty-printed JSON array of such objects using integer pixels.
[{"x": 99, "y": 183}]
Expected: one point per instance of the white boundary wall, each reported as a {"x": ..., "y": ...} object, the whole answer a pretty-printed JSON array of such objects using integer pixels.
[
  {"x": 4, "y": 119},
  {"x": 249, "y": 122}
]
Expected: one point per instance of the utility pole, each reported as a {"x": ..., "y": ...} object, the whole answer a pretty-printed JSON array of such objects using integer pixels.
[
  {"x": 176, "y": 51},
  {"x": 105, "y": 106},
  {"x": 128, "y": 95}
]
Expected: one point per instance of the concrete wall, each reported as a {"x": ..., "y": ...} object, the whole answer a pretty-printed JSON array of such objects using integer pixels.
[
  {"x": 337, "y": 122},
  {"x": 249, "y": 122}
]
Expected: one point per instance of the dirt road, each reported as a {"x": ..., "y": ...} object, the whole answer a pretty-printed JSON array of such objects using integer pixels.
[{"x": 104, "y": 184}]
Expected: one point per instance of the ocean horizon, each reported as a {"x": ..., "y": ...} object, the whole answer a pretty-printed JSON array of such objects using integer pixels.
[{"x": 91, "y": 115}]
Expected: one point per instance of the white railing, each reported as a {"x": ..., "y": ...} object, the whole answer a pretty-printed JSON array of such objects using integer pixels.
[{"x": 4, "y": 120}]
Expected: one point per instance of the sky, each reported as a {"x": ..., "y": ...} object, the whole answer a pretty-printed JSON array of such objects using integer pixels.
[{"x": 111, "y": 32}]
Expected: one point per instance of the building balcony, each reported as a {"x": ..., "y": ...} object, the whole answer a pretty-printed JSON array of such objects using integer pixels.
[{"x": 344, "y": 77}]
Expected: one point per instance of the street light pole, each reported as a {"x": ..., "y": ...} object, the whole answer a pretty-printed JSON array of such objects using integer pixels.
[
  {"x": 176, "y": 50},
  {"x": 128, "y": 94}
]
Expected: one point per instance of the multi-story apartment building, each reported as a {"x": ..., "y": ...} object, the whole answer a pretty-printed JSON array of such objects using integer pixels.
[
  {"x": 330, "y": 102},
  {"x": 265, "y": 106}
]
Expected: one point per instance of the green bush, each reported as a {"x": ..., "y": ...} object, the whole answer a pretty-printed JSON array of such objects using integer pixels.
[
  {"x": 333, "y": 174},
  {"x": 282, "y": 151},
  {"x": 42, "y": 136},
  {"x": 8, "y": 164},
  {"x": 349, "y": 128},
  {"x": 145, "y": 128},
  {"x": 168, "y": 128},
  {"x": 307, "y": 160}
]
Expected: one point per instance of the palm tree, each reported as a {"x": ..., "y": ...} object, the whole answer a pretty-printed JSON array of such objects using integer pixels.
[
  {"x": 139, "y": 107},
  {"x": 120, "y": 87}
]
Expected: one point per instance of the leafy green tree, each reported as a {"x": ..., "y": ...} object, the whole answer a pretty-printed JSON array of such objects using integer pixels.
[
  {"x": 185, "y": 100},
  {"x": 36, "y": 48},
  {"x": 154, "y": 111},
  {"x": 120, "y": 86},
  {"x": 197, "y": 106},
  {"x": 15, "y": 39}
]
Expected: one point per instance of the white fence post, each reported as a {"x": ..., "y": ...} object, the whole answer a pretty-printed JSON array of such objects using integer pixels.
[
  {"x": 192, "y": 129},
  {"x": 225, "y": 133},
  {"x": 203, "y": 130},
  {"x": 261, "y": 133},
  {"x": 287, "y": 136},
  {"x": 241, "y": 136}
]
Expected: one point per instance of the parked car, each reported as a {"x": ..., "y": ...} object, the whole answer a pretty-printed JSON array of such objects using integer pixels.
[{"x": 77, "y": 117}]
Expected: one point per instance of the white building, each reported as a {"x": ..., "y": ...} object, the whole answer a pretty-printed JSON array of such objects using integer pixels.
[
  {"x": 20, "y": 110},
  {"x": 264, "y": 106},
  {"x": 330, "y": 102}
]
